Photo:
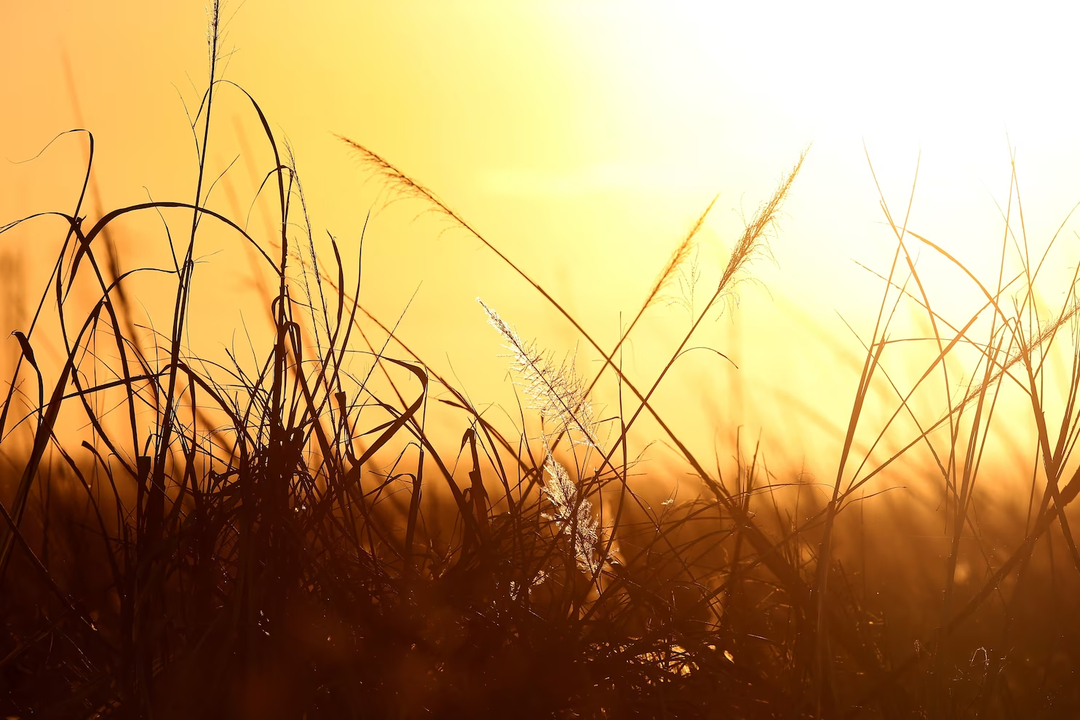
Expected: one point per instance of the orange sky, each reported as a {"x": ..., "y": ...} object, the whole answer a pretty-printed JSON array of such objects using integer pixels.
[{"x": 583, "y": 139}]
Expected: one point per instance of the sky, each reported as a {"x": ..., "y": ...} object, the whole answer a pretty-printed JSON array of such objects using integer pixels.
[{"x": 583, "y": 139}]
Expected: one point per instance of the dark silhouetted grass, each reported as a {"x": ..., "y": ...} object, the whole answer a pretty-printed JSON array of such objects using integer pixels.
[{"x": 286, "y": 539}]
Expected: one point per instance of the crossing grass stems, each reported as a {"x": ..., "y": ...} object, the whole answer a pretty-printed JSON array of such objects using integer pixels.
[{"x": 288, "y": 539}]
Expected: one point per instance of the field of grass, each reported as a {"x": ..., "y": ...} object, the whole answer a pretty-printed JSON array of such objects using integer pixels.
[{"x": 284, "y": 536}]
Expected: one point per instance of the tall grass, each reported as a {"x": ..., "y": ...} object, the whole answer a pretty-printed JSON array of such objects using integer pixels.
[{"x": 286, "y": 538}]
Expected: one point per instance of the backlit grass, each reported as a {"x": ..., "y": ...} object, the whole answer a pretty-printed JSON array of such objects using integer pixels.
[{"x": 284, "y": 536}]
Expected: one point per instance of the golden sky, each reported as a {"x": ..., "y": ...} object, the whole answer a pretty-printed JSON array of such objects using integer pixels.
[{"x": 583, "y": 138}]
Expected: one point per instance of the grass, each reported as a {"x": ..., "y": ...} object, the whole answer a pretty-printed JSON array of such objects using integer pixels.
[{"x": 286, "y": 538}]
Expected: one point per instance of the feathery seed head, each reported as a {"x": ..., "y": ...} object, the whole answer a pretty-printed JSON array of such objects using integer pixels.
[
  {"x": 572, "y": 514},
  {"x": 555, "y": 389}
]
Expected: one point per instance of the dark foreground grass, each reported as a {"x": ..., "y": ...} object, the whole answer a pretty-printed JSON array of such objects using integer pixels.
[{"x": 287, "y": 540}]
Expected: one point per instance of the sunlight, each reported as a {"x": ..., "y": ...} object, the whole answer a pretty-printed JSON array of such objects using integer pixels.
[{"x": 769, "y": 406}]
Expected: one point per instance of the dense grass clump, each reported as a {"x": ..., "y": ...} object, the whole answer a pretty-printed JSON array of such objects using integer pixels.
[{"x": 286, "y": 538}]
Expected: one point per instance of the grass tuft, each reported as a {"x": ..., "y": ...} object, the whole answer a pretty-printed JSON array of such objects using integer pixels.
[{"x": 285, "y": 536}]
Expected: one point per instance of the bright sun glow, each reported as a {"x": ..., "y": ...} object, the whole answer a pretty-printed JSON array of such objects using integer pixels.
[
  {"x": 587, "y": 135},
  {"x": 770, "y": 404}
]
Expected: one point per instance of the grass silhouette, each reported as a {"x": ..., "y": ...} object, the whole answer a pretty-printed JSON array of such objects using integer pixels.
[{"x": 290, "y": 541}]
